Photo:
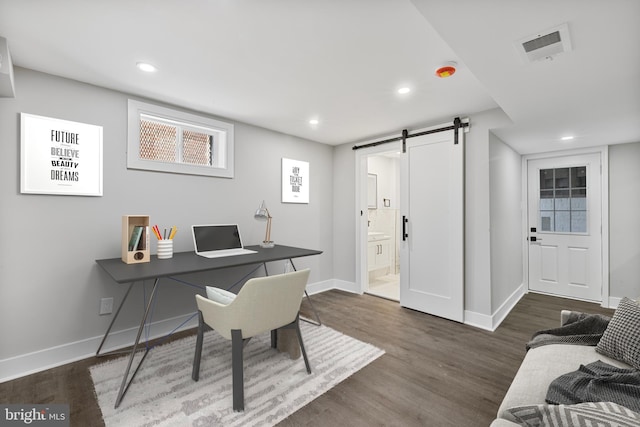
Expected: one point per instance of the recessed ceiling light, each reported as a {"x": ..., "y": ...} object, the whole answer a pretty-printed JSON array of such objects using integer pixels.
[
  {"x": 314, "y": 121},
  {"x": 404, "y": 90},
  {"x": 146, "y": 67},
  {"x": 567, "y": 138}
]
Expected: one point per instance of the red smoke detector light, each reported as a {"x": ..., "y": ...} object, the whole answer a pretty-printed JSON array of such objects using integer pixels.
[{"x": 447, "y": 70}]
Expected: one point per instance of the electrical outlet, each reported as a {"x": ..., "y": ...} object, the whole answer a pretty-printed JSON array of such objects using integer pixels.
[{"x": 106, "y": 306}]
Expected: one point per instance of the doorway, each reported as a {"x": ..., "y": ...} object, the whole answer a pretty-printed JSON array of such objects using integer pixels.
[
  {"x": 565, "y": 226},
  {"x": 383, "y": 224},
  {"x": 429, "y": 222}
]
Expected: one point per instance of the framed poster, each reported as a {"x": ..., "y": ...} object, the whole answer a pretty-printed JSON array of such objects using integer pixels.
[
  {"x": 295, "y": 181},
  {"x": 60, "y": 157}
]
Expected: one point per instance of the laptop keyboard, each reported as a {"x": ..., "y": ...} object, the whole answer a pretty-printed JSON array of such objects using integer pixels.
[{"x": 224, "y": 253}]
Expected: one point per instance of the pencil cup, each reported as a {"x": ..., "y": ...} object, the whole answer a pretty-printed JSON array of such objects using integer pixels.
[{"x": 165, "y": 249}]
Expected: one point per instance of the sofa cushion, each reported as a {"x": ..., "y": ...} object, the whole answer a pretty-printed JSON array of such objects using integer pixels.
[
  {"x": 542, "y": 365},
  {"x": 501, "y": 422},
  {"x": 589, "y": 413},
  {"x": 621, "y": 339}
]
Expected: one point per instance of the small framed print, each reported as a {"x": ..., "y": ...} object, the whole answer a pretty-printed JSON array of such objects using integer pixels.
[
  {"x": 295, "y": 181},
  {"x": 60, "y": 157}
]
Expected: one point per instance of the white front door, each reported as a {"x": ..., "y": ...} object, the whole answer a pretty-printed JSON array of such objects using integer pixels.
[
  {"x": 432, "y": 209},
  {"x": 565, "y": 226}
]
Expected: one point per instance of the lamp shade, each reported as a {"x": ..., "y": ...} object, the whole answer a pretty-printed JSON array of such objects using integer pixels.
[{"x": 262, "y": 213}]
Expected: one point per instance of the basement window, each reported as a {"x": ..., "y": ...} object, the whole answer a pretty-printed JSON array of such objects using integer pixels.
[{"x": 167, "y": 140}]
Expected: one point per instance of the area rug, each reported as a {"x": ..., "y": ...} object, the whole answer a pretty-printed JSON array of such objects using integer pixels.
[{"x": 163, "y": 393}]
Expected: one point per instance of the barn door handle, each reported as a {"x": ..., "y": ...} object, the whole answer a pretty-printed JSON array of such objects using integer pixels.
[{"x": 404, "y": 227}]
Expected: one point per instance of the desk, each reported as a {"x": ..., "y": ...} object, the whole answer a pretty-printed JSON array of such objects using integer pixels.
[{"x": 182, "y": 263}]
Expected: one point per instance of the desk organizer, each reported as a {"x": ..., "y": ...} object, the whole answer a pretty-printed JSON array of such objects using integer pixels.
[{"x": 135, "y": 239}]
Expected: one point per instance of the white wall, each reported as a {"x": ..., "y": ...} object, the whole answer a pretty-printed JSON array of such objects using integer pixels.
[
  {"x": 624, "y": 220},
  {"x": 505, "y": 179},
  {"x": 50, "y": 285},
  {"x": 344, "y": 211},
  {"x": 386, "y": 169},
  {"x": 478, "y": 287}
]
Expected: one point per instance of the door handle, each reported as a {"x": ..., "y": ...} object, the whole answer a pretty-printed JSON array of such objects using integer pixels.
[{"x": 404, "y": 228}]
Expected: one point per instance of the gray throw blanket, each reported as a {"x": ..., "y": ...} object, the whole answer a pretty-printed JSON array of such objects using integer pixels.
[
  {"x": 597, "y": 382},
  {"x": 580, "y": 329}
]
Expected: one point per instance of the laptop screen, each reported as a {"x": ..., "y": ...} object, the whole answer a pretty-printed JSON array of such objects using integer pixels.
[{"x": 216, "y": 237}]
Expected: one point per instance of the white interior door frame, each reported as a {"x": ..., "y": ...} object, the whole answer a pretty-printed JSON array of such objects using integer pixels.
[
  {"x": 360, "y": 179},
  {"x": 362, "y": 209},
  {"x": 604, "y": 176}
]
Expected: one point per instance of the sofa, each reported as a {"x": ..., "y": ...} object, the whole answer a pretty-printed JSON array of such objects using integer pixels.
[{"x": 545, "y": 363}]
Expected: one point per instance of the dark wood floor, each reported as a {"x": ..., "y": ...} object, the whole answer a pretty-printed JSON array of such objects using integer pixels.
[{"x": 435, "y": 372}]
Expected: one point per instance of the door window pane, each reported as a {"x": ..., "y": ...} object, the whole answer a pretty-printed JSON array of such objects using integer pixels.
[
  {"x": 563, "y": 221},
  {"x": 546, "y": 221},
  {"x": 546, "y": 200},
  {"x": 563, "y": 200},
  {"x": 546, "y": 179},
  {"x": 579, "y": 221},
  {"x": 579, "y": 177},
  {"x": 579, "y": 200},
  {"x": 561, "y": 177}
]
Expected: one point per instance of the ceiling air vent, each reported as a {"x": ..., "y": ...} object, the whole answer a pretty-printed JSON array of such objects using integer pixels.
[{"x": 544, "y": 45}]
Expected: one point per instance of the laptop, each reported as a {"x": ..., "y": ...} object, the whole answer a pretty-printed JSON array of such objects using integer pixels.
[{"x": 218, "y": 240}]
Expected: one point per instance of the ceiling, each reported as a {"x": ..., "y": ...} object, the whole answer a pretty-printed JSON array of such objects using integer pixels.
[{"x": 279, "y": 63}]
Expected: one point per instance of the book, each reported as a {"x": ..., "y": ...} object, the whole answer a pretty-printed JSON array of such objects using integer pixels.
[
  {"x": 142, "y": 245},
  {"x": 135, "y": 237}
]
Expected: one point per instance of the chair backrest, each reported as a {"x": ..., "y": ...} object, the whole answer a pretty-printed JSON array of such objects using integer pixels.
[{"x": 263, "y": 304}]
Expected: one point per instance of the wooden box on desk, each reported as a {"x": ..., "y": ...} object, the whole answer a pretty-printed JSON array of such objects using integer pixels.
[{"x": 135, "y": 239}]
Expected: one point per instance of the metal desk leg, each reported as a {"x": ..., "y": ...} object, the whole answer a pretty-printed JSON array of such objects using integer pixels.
[
  {"x": 115, "y": 316},
  {"x": 315, "y": 313},
  {"x": 125, "y": 385}
]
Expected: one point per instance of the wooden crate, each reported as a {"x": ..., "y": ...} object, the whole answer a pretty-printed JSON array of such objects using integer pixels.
[{"x": 135, "y": 249}]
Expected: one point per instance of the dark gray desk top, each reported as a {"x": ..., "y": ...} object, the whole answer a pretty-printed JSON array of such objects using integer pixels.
[{"x": 189, "y": 262}]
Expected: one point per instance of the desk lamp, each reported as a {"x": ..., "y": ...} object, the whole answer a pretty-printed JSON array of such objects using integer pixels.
[{"x": 263, "y": 214}]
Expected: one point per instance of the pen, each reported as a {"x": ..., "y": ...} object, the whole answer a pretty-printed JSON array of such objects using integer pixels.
[{"x": 156, "y": 231}]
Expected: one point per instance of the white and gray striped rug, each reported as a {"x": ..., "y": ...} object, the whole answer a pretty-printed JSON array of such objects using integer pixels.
[{"x": 163, "y": 393}]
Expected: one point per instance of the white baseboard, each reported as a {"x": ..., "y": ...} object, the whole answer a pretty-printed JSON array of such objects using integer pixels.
[
  {"x": 478, "y": 320},
  {"x": 318, "y": 287},
  {"x": 30, "y": 363},
  {"x": 491, "y": 323},
  {"x": 327, "y": 285},
  {"x": 343, "y": 285},
  {"x": 506, "y": 307},
  {"x": 613, "y": 302}
]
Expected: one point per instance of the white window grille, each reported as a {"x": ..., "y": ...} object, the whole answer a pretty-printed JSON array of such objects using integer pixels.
[{"x": 563, "y": 200}]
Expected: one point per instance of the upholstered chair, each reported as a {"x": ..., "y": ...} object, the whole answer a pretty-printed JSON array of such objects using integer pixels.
[{"x": 264, "y": 304}]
